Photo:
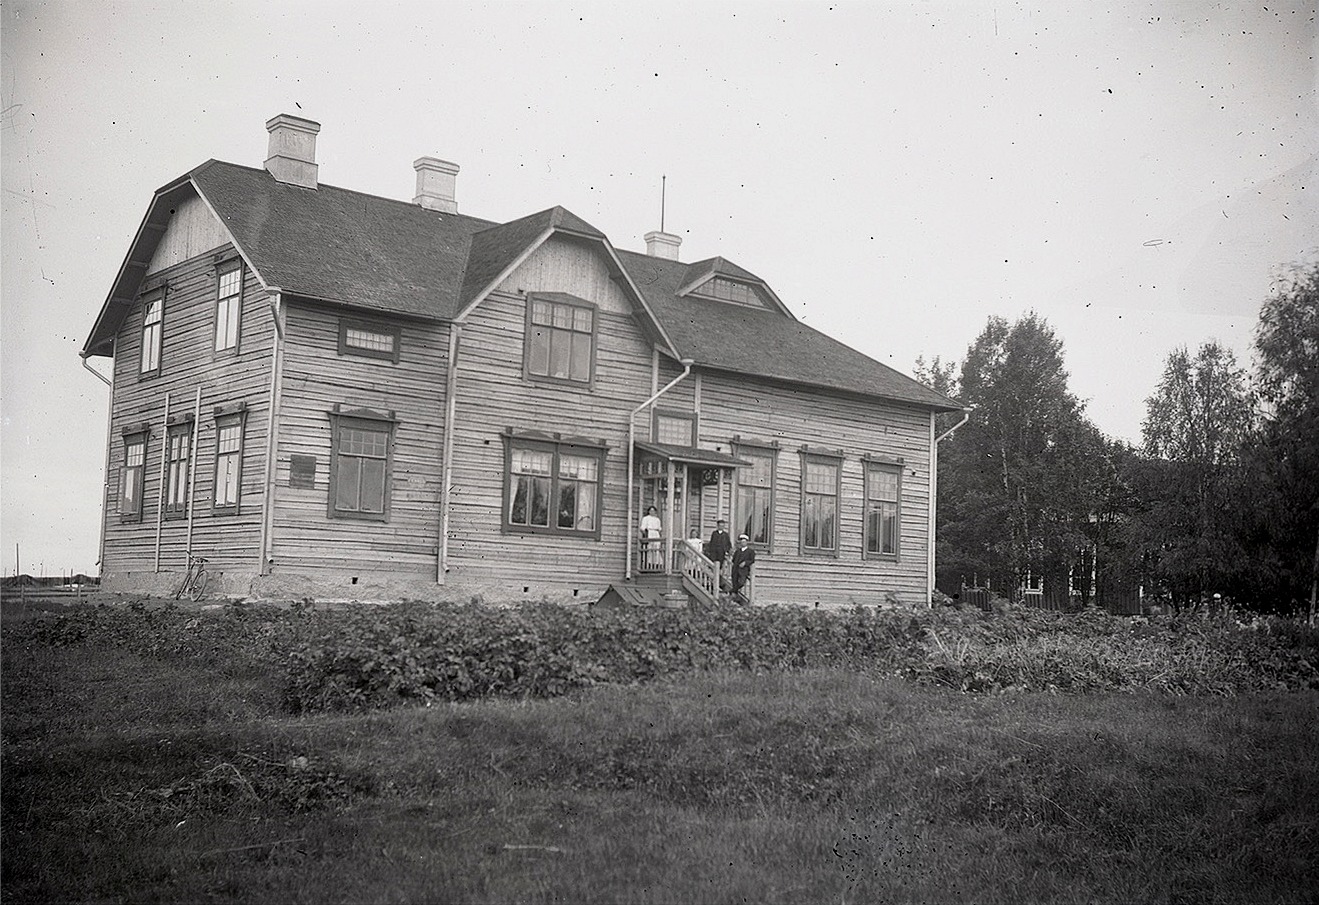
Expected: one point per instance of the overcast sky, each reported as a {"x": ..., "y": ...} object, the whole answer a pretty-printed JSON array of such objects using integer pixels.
[{"x": 1134, "y": 172}]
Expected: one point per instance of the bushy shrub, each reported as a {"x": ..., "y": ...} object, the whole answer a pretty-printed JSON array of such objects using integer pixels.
[{"x": 375, "y": 658}]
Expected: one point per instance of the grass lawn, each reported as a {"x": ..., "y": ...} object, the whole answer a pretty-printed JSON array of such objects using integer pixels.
[{"x": 136, "y": 776}]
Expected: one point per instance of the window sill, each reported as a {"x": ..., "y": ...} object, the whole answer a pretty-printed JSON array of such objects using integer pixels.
[
  {"x": 587, "y": 385},
  {"x": 530, "y": 531},
  {"x": 360, "y": 516}
]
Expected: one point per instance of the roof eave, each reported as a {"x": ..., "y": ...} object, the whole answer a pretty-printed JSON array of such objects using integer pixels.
[
  {"x": 951, "y": 406},
  {"x": 133, "y": 269}
]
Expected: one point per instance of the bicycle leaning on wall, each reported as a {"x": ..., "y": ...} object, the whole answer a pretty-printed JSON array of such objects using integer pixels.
[{"x": 194, "y": 582}]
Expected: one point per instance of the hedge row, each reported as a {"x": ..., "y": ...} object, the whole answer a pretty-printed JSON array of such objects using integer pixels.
[{"x": 382, "y": 657}]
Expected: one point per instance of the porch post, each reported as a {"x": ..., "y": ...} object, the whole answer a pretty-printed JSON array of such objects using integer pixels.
[{"x": 668, "y": 526}]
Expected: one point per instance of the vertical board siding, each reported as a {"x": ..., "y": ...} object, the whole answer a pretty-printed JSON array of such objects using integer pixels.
[
  {"x": 315, "y": 379},
  {"x": 228, "y": 540}
]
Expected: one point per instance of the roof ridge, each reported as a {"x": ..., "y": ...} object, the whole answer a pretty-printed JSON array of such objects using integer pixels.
[{"x": 260, "y": 171}]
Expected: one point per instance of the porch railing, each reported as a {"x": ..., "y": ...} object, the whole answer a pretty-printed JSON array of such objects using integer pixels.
[{"x": 698, "y": 568}]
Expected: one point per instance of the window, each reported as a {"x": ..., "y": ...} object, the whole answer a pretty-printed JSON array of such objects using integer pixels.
[
  {"x": 153, "y": 315},
  {"x": 369, "y": 340},
  {"x": 552, "y": 487},
  {"x": 178, "y": 451},
  {"x": 727, "y": 290},
  {"x": 819, "y": 503},
  {"x": 360, "y": 465},
  {"x": 560, "y": 342},
  {"x": 883, "y": 485},
  {"x": 228, "y": 306},
  {"x": 753, "y": 509},
  {"x": 228, "y": 461},
  {"x": 132, "y": 475},
  {"x": 675, "y": 428}
]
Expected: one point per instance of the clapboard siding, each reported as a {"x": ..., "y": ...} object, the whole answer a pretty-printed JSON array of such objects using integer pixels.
[
  {"x": 229, "y": 540},
  {"x": 761, "y": 412},
  {"x": 316, "y": 378},
  {"x": 493, "y": 394}
]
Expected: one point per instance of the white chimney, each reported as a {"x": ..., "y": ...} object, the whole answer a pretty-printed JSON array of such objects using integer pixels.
[
  {"x": 435, "y": 184},
  {"x": 662, "y": 245},
  {"x": 292, "y": 155}
]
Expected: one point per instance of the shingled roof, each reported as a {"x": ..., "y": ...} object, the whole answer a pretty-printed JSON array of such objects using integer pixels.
[
  {"x": 765, "y": 343},
  {"x": 350, "y": 248}
]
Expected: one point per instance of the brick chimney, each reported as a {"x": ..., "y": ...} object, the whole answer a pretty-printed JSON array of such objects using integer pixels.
[
  {"x": 662, "y": 245},
  {"x": 435, "y": 184},
  {"x": 292, "y": 155}
]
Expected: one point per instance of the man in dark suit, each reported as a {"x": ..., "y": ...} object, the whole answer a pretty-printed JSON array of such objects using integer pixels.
[
  {"x": 744, "y": 557},
  {"x": 719, "y": 546}
]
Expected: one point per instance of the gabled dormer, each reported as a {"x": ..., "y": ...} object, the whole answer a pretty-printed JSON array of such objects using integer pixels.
[{"x": 719, "y": 280}]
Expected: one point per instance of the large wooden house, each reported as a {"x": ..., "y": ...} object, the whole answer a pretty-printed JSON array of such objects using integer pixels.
[{"x": 334, "y": 395}]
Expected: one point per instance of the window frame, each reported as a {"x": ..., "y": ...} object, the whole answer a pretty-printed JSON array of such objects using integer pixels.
[
  {"x": 179, "y": 429},
  {"x": 222, "y": 270},
  {"x": 568, "y": 301},
  {"x": 834, "y": 458},
  {"x": 676, "y": 415},
  {"x": 749, "y": 448},
  {"x": 871, "y": 465},
  {"x": 557, "y": 447},
  {"x": 158, "y": 342},
  {"x": 225, "y": 418},
  {"x": 361, "y": 419},
  {"x": 142, "y": 436},
  {"x": 394, "y": 331}
]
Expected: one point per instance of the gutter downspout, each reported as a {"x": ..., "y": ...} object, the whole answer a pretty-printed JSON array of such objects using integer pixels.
[
  {"x": 934, "y": 494},
  {"x": 272, "y": 419},
  {"x": 109, "y": 442},
  {"x": 192, "y": 466},
  {"x": 446, "y": 467},
  {"x": 164, "y": 457},
  {"x": 631, "y": 454}
]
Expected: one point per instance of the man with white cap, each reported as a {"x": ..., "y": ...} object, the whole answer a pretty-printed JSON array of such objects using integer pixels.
[{"x": 744, "y": 557}]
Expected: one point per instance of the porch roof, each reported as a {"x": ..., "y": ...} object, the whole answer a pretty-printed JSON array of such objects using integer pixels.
[{"x": 690, "y": 455}]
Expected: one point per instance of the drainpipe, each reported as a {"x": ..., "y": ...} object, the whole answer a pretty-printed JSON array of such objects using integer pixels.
[
  {"x": 631, "y": 454},
  {"x": 164, "y": 456},
  {"x": 934, "y": 494},
  {"x": 192, "y": 466},
  {"x": 276, "y": 365},
  {"x": 446, "y": 467},
  {"x": 109, "y": 442}
]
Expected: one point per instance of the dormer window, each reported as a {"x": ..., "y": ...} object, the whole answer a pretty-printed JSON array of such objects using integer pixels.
[{"x": 726, "y": 290}]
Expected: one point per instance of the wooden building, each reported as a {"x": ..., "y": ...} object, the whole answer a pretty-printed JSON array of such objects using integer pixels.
[{"x": 334, "y": 395}]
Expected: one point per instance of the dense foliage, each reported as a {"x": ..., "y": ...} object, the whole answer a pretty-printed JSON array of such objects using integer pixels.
[
  {"x": 1222, "y": 497},
  {"x": 371, "y": 657}
]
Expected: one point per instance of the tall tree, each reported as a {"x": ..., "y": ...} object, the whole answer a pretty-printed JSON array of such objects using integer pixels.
[
  {"x": 1019, "y": 483},
  {"x": 1195, "y": 425},
  {"x": 1284, "y": 453}
]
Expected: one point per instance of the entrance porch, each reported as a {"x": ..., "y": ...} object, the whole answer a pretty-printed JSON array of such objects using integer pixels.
[{"x": 690, "y": 489}]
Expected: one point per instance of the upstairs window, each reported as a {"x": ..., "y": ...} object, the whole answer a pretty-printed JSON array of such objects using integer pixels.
[
  {"x": 153, "y": 316},
  {"x": 819, "y": 503},
  {"x": 883, "y": 510},
  {"x": 132, "y": 476},
  {"x": 178, "y": 453},
  {"x": 228, "y": 461},
  {"x": 560, "y": 339},
  {"x": 369, "y": 339},
  {"x": 228, "y": 306},
  {"x": 552, "y": 487},
  {"x": 726, "y": 290},
  {"x": 675, "y": 428},
  {"x": 753, "y": 508},
  {"x": 360, "y": 465}
]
